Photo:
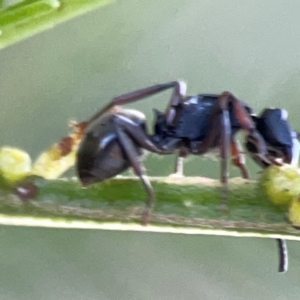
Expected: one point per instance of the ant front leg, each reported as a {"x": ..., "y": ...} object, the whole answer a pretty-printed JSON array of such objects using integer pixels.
[{"x": 178, "y": 86}]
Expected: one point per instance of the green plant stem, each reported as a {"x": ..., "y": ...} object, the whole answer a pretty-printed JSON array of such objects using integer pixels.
[
  {"x": 184, "y": 205},
  {"x": 30, "y": 17}
]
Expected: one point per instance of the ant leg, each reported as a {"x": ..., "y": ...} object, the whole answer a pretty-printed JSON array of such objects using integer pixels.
[
  {"x": 222, "y": 107},
  {"x": 239, "y": 110},
  {"x": 176, "y": 98},
  {"x": 238, "y": 158},
  {"x": 220, "y": 131},
  {"x": 244, "y": 119},
  {"x": 178, "y": 168},
  {"x": 138, "y": 135},
  {"x": 283, "y": 255},
  {"x": 143, "y": 93},
  {"x": 128, "y": 133},
  {"x": 224, "y": 152},
  {"x": 246, "y": 123},
  {"x": 221, "y": 120},
  {"x": 137, "y": 165}
]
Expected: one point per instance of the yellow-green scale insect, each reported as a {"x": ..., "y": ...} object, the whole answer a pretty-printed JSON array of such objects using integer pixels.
[
  {"x": 16, "y": 164},
  {"x": 281, "y": 179}
]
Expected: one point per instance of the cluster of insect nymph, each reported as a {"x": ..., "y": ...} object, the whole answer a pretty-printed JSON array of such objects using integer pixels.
[{"x": 115, "y": 138}]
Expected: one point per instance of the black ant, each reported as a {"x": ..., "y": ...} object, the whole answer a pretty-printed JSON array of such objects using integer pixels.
[{"x": 114, "y": 138}]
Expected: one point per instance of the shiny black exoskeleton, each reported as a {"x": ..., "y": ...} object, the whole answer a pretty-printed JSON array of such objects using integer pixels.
[
  {"x": 281, "y": 141},
  {"x": 115, "y": 137},
  {"x": 193, "y": 119},
  {"x": 101, "y": 154}
]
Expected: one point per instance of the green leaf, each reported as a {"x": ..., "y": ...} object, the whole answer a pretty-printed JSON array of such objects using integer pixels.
[
  {"x": 30, "y": 17},
  {"x": 184, "y": 205}
]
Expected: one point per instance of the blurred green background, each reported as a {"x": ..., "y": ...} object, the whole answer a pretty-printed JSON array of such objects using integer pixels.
[{"x": 251, "y": 48}]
